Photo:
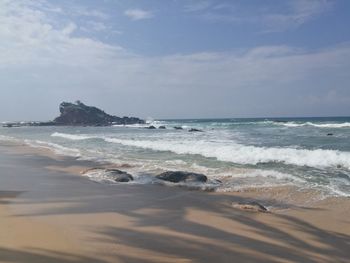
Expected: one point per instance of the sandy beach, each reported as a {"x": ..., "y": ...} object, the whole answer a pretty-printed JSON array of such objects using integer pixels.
[{"x": 50, "y": 213}]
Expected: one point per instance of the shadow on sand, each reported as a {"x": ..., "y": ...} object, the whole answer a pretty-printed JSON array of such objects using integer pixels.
[
  {"x": 162, "y": 223},
  {"x": 42, "y": 256}
]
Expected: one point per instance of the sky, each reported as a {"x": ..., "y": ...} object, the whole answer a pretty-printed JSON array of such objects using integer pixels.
[{"x": 175, "y": 58}]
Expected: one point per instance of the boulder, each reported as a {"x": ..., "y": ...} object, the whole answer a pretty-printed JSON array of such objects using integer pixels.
[
  {"x": 251, "y": 206},
  {"x": 162, "y": 127},
  {"x": 329, "y": 134},
  {"x": 180, "y": 176},
  {"x": 195, "y": 130},
  {"x": 115, "y": 174},
  {"x": 151, "y": 127},
  {"x": 119, "y": 176},
  {"x": 178, "y": 128}
]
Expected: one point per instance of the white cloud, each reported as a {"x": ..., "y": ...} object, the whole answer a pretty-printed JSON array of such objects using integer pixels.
[
  {"x": 194, "y": 6},
  {"x": 80, "y": 11},
  {"x": 95, "y": 26},
  {"x": 292, "y": 13},
  {"x": 30, "y": 37},
  {"x": 300, "y": 12},
  {"x": 40, "y": 60},
  {"x": 69, "y": 29},
  {"x": 138, "y": 14}
]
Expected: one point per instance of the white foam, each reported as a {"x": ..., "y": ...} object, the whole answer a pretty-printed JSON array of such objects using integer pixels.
[
  {"x": 175, "y": 162},
  {"x": 99, "y": 176},
  {"x": 132, "y": 125},
  {"x": 241, "y": 154},
  {"x": 8, "y": 138},
  {"x": 73, "y": 137},
  {"x": 102, "y": 176},
  {"x": 331, "y": 125},
  {"x": 236, "y": 153},
  {"x": 318, "y": 125},
  {"x": 268, "y": 174},
  {"x": 58, "y": 149}
]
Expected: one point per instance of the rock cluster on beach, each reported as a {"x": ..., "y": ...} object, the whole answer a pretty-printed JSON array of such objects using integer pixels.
[{"x": 170, "y": 176}]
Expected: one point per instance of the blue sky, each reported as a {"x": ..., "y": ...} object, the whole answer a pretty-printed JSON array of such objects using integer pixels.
[{"x": 175, "y": 58}]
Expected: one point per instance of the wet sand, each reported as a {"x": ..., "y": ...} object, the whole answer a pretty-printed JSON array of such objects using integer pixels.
[{"x": 50, "y": 213}]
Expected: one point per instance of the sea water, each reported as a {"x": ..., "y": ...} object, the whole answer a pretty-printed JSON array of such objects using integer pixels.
[{"x": 235, "y": 154}]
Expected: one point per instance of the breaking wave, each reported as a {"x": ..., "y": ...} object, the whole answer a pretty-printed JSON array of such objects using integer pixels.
[
  {"x": 318, "y": 125},
  {"x": 58, "y": 149},
  {"x": 71, "y": 136},
  {"x": 236, "y": 153}
]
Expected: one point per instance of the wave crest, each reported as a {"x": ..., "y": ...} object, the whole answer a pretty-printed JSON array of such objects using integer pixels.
[
  {"x": 236, "y": 153},
  {"x": 318, "y": 125},
  {"x": 241, "y": 154},
  {"x": 73, "y": 137}
]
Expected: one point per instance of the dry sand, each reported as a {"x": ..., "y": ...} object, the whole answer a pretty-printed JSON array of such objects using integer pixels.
[{"x": 49, "y": 213}]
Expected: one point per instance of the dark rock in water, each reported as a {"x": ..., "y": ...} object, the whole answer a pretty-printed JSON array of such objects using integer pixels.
[
  {"x": 178, "y": 128},
  {"x": 81, "y": 114},
  {"x": 123, "y": 178},
  {"x": 180, "y": 176},
  {"x": 119, "y": 176},
  {"x": 151, "y": 127},
  {"x": 195, "y": 130},
  {"x": 115, "y": 174},
  {"x": 251, "y": 206},
  {"x": 162, "y": 127},
  {"x": 47, "y": 123},
  {"x": 329, "y": 134}
]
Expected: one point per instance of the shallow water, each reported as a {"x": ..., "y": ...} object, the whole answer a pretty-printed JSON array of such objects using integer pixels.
[{"x": 242, "y": 153}]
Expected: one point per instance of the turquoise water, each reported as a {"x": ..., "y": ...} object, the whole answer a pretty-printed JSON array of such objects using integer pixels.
[{"x": 242, "y": 153}]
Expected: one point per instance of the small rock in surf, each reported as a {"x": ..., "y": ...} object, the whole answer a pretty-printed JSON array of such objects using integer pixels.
[
  {"x": 115, "y": 174},
  {"x": 251, "y": 206},
  {"x": 195, "y": 130}
]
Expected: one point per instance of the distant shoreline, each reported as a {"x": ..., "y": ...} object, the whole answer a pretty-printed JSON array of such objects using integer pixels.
[{"x": 213, "y": 118}]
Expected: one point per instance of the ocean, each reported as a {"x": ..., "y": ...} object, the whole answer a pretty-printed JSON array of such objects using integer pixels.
[{"x": 235, "y": 154}]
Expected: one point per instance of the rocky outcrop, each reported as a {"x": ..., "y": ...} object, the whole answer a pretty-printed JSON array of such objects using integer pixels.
[
  {"x": 162, "y": 127},
  {"x": 180, "y": 176},
  {"x": 178, "y": 128},
  {"x": 80, "y": 114}
]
